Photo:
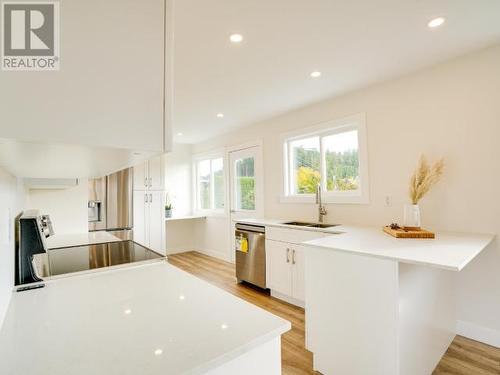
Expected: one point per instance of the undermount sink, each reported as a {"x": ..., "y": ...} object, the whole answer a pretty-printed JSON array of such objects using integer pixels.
[{"x": 310, "y": 225}]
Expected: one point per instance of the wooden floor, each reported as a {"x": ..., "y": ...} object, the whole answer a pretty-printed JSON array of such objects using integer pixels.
[{"x": 464, "y": 356}]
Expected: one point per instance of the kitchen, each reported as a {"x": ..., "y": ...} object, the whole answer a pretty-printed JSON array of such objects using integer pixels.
[{"x": 191, "y": 185}]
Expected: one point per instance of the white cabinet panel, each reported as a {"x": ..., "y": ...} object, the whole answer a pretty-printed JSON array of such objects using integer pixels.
[
  {"x": 278, "y": 259},
  {"x": 155, "y": 173},
  {"x": 298, "y": 272},
  {"x": 140, "y": 217},
  {"x": 140, "y": 176},
  {"x": 156, "y": 221},
  {"x": 149, "y": 222},
  {"x": 292, "y": 235}
]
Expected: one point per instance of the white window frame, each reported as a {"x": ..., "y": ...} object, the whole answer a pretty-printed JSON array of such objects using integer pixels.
[
  {"x": 196, "y": 186},
  {"x": 359, "y": 196}
]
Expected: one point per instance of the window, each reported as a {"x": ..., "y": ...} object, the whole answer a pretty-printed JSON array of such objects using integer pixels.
[
  {"x": 210, "y": 193},
  {"x": 332, "y": 155}
]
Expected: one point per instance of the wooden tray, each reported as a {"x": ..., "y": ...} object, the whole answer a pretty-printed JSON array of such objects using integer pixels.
[{"x": 401, "y": 233}]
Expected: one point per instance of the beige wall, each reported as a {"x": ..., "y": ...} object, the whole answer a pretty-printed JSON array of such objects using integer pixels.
[{"x": 450, "y": 110}]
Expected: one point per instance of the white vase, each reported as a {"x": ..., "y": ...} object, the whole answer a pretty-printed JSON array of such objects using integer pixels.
[{"x": 411, "y": 218}]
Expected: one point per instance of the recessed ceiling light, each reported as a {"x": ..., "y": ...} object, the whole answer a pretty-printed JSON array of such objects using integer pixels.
[
  {"x": 182, "y": 298},
  {"x": 220, "y": 115},
  {"x": 223, "y": 326},
  {"x": 236, "y": 38},
  {"x": 179, "y": 134},
  {"x": 436, "y": 22},
  {"x": 315, "y": 74},
  {"x": 127, "y": 312},
  {"x": 158, "y": 352}
]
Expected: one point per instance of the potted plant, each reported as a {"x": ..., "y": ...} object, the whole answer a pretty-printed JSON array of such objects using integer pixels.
[
  {"x": 423, "y": 178},
  {"x": 168, "y": 207}
]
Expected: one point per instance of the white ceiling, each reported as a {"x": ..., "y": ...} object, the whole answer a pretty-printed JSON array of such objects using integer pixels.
[{"x": 353, "y": 43}]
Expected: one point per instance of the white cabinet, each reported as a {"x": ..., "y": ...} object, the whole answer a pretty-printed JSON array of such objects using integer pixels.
[
  {"x": 150, "y": 174},
  {"x": 157, "y": 221},
  {"x": 298, "y": 273},
  {"x": 140, "y": 204},
  {"x": 140, "y": 176},
  {"x": 278, "y": 270},
  {"x": 149, "y": 222},
  {"x": 285, "y": 271},
  {"x": 156, "y": 173},
  {"x": 285, "y": 258}
]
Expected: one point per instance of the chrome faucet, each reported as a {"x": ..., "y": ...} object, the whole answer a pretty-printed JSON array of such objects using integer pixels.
[{"x": 321, "y": 209}]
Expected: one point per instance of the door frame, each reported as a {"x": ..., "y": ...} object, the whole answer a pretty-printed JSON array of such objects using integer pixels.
[{"x": 259, "y": 203}]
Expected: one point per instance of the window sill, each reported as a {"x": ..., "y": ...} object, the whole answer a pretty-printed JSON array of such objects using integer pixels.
[{"x": 339, "y": 199}]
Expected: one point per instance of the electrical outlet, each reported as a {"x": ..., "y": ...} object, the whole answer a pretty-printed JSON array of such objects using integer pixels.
[{"x": 388, "y": 201}]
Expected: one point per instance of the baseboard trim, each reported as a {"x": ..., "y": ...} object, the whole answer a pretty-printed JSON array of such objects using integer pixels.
[
  {"x": 290, "y": 300},
  {"x": 177, "y": 250},
  {"x": 215, "y": 254},
  {"x": 475, "y": 332}
]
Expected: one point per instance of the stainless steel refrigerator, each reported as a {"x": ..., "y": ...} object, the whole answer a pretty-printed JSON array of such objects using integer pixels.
[{"x": 110, "y": 205}]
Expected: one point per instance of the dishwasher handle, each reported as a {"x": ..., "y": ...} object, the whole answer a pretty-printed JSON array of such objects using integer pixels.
[{"x": 250, "y": 228}]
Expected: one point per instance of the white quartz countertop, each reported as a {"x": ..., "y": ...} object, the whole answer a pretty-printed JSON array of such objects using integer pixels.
[
  {"x": 153, "y": 319},
  {"x": 185, "y": 217},
  {"x": 77, "y": 239},
  {"x": 451, "y": 251}
]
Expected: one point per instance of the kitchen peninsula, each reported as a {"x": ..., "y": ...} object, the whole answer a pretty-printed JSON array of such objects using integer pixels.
[
  {"x": 380, "y": 305},
  {"x": 374, "y": 304}
]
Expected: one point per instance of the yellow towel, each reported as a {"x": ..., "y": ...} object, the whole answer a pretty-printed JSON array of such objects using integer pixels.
[{"x": 244, "y": 245}]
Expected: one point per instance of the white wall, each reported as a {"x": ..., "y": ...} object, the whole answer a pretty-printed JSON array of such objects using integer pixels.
[
  {"x": 67, "y": 207},
  {"x": 11, "y": 204},
  {"x": 449, "y": 110},
  {"x": 178, "y": 178},
  {"x": 178, "y": 174}
]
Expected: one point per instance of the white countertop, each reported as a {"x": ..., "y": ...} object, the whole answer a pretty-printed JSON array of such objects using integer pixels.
[
  {"x": 185, "y": 217},
  {"x": 451, "y": 251},
  {"x": 76, "y": 239},
  {"x": 152, "y": 319}
]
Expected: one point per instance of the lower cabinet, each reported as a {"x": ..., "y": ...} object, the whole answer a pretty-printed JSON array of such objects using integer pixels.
[
  {"x": 149, "y": 220},
  {"x": 285, "y": 271}
]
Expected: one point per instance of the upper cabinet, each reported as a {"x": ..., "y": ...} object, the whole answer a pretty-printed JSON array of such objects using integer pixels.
[
  {"x": 150, "y": 174},
  {"x": 113, "y": 88}
]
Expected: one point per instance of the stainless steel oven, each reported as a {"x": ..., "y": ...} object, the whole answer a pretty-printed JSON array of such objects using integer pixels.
[{"x": 250, "y": 241}]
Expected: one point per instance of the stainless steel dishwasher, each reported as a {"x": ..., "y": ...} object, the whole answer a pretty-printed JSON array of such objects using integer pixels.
[{"x": 250, "y": 249}]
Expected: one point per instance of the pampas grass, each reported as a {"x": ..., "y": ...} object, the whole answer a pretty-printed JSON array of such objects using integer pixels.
[{"x": 424, "y": 178}]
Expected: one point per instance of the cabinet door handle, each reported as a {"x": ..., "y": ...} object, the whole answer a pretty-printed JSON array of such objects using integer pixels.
[
  {"x": 150, "y": 181},
  {"x": 293, "y": 256},
  {"x": 150, "y": 198},
  {"x": 145, "y": 181},
  {"x": 145, "y": 198},
  {"x": 287, "y": 255}
]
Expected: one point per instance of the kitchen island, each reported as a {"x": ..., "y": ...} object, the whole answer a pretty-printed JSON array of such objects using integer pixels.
[{"x": 149, "y": 319}]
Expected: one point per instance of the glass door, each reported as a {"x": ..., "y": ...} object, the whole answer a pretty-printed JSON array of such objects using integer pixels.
[{"x": 245, "y": 185}]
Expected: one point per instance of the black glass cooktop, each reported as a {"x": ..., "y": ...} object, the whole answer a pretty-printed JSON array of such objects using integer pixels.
[{"x": 88, "y": 257}]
